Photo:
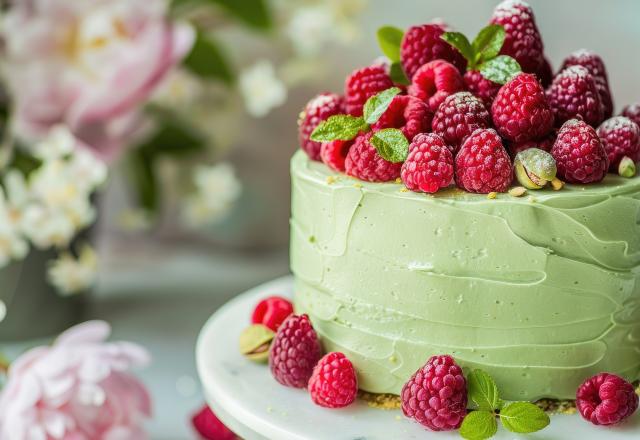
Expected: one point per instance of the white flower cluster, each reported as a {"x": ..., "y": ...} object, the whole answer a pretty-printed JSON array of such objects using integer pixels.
[
  {"x": 72, "y": 275},
  {"x": 216, "y": 189},
  {"x": 50, "y": 206}
]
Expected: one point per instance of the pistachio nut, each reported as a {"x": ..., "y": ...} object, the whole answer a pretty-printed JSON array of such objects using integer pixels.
[
  {"x": 255, "y": 341},
  {"x": 627, "y": 167},
  {"x": 534, "y": 168}
]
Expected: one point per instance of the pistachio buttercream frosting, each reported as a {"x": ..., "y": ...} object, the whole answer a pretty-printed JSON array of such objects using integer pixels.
[{"x": 540, "y": 291}]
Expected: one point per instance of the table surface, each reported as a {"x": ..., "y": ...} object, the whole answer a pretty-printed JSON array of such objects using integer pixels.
[{"x": 250, "y": 401}]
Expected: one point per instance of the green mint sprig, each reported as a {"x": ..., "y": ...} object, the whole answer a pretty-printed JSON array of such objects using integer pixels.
[
  {"x": 483, "y": 53},
  {"x": 481, "y": 424},
  {"x": 389, "y": 40},
  {"x": 390, "y": 143}
]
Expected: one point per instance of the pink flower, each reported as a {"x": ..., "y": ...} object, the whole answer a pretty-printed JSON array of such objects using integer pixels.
[
  {"x": 77, "y": 389},
  {"x": 88, "y": 64}
]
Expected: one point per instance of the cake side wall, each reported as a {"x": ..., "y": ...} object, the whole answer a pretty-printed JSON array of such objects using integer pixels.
[{"x": 541, "y": 293}]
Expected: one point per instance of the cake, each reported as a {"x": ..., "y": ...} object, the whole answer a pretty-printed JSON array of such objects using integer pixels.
[{"x": 540, "y": 292}]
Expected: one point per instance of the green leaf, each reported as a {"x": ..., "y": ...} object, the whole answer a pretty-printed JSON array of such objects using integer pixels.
[
  {"x": 523, "y": 417},
  {"x": 483, "y": 390},
  {"x": 500, "y": 69},
  {"x": 173, "y": 136},
  {"x": 389, "y": 39},
  {"x": 460, "y": 42},
  {"x": 488, "y": 43},
  {"x": 397, "y": 74},
  {"x": 254, "y": 13},
  {"x": 391, "y": 144},
  {"x": 339, "y": 127},
  {"x": 207, "y": 60},
  {"x": 378, "y": 104},
  {"x": 479, "y": 425},
  {"x": 145, "y": 180}
]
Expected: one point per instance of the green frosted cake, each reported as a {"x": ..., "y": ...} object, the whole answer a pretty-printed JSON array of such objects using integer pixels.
[{"x": 541, "y": 291}]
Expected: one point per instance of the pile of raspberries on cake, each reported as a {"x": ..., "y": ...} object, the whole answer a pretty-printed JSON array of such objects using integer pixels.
[{"x": 464, "y": 128}]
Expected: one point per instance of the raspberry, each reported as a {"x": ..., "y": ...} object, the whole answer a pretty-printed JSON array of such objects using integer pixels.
[
  {"x": 334, "y": 153},
  {"x": 434, "y": 81},
  {"x": 363, "y": 84},
  {"x": 632, "y": 111},
  {"x": 481, "y": 87},
  {"x": 545, "y": 144},
  {"x": 421, "y": 44},
  {"x": 606, "y": 399},
  {"x": 545, "y": 73},
  {"x": 316, "y": 111},
  {"x": 436, "y": 395},
  {"x": 483, "y": 165},
  {"x": 579, "y": 154},
  {"x": 429, "y": 165},
  {"x": 333, "y": 383},
  {"x": 620, "y": 137},
  {"x": 458, "y": 116},
  {"x": 573, "y": 94},
  {"x": 294, "y": 352},
  {"x": 271, "y": 312},
  {"x": 594, "y": 64},
  {"x": 523, "y": 41},
  {"x": 210, "y": 427},
  {"x": 364, "y": 162},
  {"x": 407, "y": 113},
  {"x": 521, "y": 111}
]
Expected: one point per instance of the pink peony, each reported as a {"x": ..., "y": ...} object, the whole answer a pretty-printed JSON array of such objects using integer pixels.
[
  {"x": 88, "y": 64},
  {"x": 77, "y": 389}
]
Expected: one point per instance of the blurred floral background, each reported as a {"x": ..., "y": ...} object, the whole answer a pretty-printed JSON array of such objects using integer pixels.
[{"x": 144, "y": 150}]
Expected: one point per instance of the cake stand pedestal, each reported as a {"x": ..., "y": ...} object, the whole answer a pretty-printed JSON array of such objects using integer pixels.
[{"x": 248, "y": 400}]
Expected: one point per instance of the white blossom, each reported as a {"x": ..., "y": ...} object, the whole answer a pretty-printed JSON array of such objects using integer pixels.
[
  {"x": 261, "y": 90},
  {"x": 12, "y": 245},
  {"x": 216, "y": 189},
  {"x": 70, "y": 275}
]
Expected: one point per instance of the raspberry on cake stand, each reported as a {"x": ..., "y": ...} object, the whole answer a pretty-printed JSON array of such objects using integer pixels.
[{"x": 246, "y": 397}]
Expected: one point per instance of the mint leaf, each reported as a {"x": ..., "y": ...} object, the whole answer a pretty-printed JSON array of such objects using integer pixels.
[
  {"x": 397, "y": 74},
  {"x": 391, "y": 144},
  {"x": 483, "y": 390},
  {"x": 479, "y": 425},
  {"x": 338, "y": 127},
  {"x": 523, "y": 417},
  {"x": 460, "y": 42},
  {"x": 500, "y": 69},
  {"x": 378, "y": 104},
  {"x": 488, "y": 43},
  {"x": 389, "y": 39}
]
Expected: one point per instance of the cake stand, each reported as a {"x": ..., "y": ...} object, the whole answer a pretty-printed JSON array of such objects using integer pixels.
[{"x": 251, "y": 403}]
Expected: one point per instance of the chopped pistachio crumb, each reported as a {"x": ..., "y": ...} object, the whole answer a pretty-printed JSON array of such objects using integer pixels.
[
  {"x": 557, "y": 184},
  {"x": 312, "y": 239},
  {"x": 492, "y": 195},
  {"x": 404, "y": 190},
  {"x": 357, "y": 185},
  {"x": 332, "y": 179},
  {"x": 398, "y": 180},
  {"x": 381, "y": 401},
  {"x": 517, "y": 191}
]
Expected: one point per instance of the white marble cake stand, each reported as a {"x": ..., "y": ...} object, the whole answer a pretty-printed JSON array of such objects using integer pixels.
[{"x": 256, "y": 407}]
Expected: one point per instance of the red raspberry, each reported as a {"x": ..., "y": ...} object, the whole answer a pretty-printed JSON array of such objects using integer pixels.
[
  {"x": 606, "y": 399},
  {"x": 333, "y": 383},
  {"x": 483, "y": 165},
  {"x": 523, "y": 41},
  {"x": 521, "y": 111},
  {"x": 436, "y": 395},
  {"x": 434, "y": 81},
  {"x": 545, "y": 144},
  {"x": 334, "y": 153},
  {"x": 545, "y": 73},
  {"x": 632, "y": 111},
  {"x": 316, "y": 111},
  {"x": 481, "y": 87},
  {"x": 458, "y": 116},
  {"x": 573, "y": 94},
  {"x": 594, "y": 64},
  {"x": 210, "y": 427},
  {"x": 407, "y": 113},
  {"x": 363, "y": 84},
  {"x": 421, "y": 44},
  {"x": 271, "y": 312},
  {"x": 620, "y": 137},
  {"x": 294, "y": 352},
  {"x": 579, "y": 154},
  {"x": 364, "y": 162},
  {"x": 429, "y": 165}
]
